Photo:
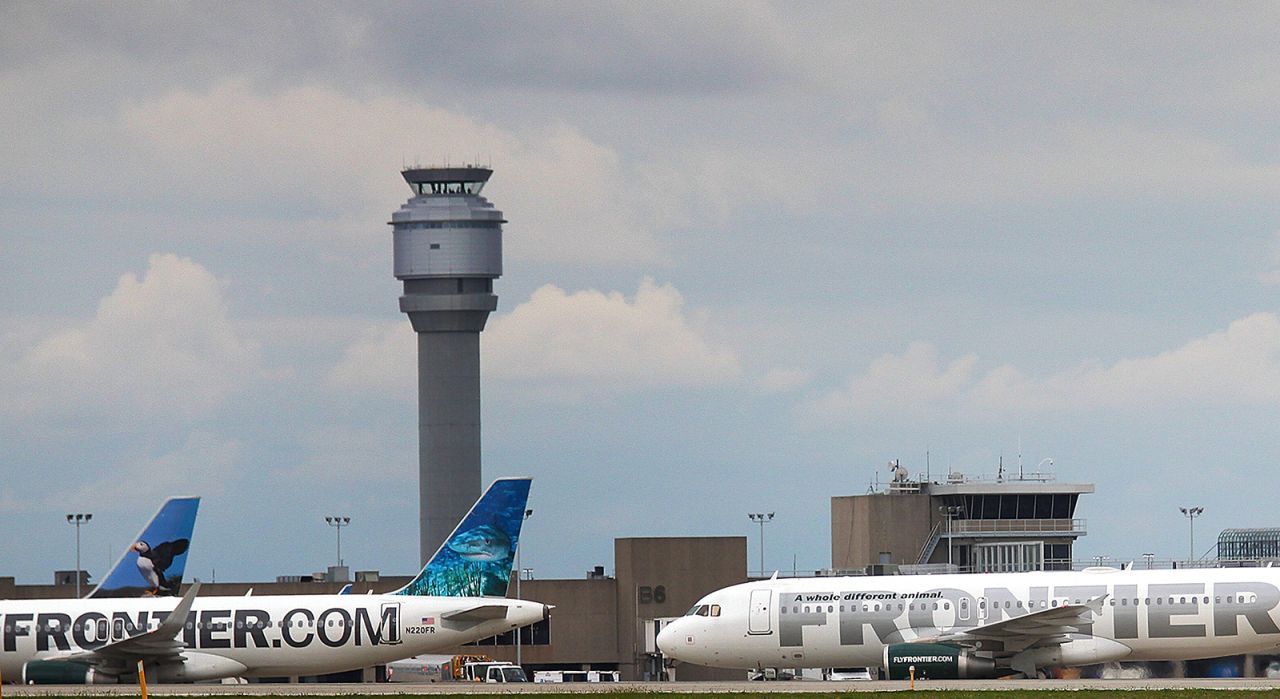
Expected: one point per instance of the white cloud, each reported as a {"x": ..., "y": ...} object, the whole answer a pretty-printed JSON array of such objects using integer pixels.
[
  {"x": 1236, "y": 366},
  {"x": 590, "y": 336},
  {"x": 205, "y": 465},
  {"x": 912, "y": 383},
  {"x": 162, "y": 345},
  {"x": 783, "y": 379},
  {"x": 1271, "y": 276},
  {"x": 570, "y": 342},
  {"x": 381, "y": 361},
  {"x": 336, "y": 452},
  {"x": 311, "y": 163}
]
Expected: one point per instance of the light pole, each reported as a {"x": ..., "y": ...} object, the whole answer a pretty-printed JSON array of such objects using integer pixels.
[
  {"x": 519, "y": 575},
  {"x": 339, "y": 523},
  {"x": 1192, "y": 513},
  {"x": 762, "y": 518},
  {"x": 950, "y": 512},
  {"x": 1148, "y": 556},
  {"x": 78, "y": 519}
]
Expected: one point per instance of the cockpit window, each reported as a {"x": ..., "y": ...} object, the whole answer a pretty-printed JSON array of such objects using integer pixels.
[
  {"x": 715, "y": 610},
  {"x": 701, "y": 610}
]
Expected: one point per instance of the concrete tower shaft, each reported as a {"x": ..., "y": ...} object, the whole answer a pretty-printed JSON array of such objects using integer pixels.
[{"x": 448, "y": 251}]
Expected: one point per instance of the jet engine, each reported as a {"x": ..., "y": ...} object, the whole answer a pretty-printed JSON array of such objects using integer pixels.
[
  {"x": 195, "y": 667},
  {"x": 63, "y": 672},
  {"x": 935, "y": 661}
]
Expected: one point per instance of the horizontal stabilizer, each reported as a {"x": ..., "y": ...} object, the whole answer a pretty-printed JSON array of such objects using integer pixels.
[{"x": 484, "y": 612}]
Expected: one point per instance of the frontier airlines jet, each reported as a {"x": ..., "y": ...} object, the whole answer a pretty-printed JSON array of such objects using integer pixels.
[
  {"x": 981, "y": 625},
  {"x": 457, "y": 598}
]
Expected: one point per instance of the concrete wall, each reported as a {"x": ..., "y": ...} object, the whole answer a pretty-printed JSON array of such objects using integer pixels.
[
  {"x": 583, "y": 624},
  {"x": 862, "y": 526},
  {"x": 664, "y": 577}
]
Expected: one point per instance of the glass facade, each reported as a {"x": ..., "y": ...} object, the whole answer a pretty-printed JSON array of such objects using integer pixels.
[
  {"x": 1248, "y": 544},
  {"x": 1032, "y": 506},
  {"x": 1006, "y": 557}
]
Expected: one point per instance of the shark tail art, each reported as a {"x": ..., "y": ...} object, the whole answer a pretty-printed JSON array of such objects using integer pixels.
[
  {"x": 154, "y": 564},
  {"x": 476, "y": 559}
]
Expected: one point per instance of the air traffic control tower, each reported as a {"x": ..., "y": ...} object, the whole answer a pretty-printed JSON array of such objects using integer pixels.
[{"x": 448, "y": 251}]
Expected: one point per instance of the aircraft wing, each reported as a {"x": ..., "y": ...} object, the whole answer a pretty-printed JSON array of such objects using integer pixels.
[
  {"x": 158, "y": 644},
  {"x": 1046, "y": 627},
  {"x": 482, "y": 612}
]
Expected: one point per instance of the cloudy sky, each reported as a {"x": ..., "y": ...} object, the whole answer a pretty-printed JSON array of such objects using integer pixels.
[{"x": 755, "y": 252}]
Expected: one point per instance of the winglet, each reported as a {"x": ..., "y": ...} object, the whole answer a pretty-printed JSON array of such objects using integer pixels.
[
  {"x": 1095, "y": 603},
  {"x": 172, "y": 624},
  {"x": 172, "y": 524},
  {"x": 476, "y": 559}
]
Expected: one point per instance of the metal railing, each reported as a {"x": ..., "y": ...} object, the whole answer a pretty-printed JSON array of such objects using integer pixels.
[
  {"x": 930, "y": 544},
  {"x": 974, "y": 526}
]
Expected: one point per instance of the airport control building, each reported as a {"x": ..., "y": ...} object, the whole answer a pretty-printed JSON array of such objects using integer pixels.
[{"x": 996, "y": 524}]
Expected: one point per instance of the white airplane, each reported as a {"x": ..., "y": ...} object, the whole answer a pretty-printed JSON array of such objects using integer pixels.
[
  {"x": 455, "y": 599},
  {"x": 981, "y": 625}
]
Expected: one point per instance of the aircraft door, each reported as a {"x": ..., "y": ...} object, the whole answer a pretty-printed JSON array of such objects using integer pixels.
[{"x": 758, "y": 621}]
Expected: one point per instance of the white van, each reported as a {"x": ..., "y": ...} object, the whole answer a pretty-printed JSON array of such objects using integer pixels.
[{"x": 843, "y": 674}]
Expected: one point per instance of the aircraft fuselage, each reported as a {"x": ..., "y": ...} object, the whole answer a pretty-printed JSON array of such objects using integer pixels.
[
  {"x": 270, "y": 635},
  {"x": 848, "y": 621}
]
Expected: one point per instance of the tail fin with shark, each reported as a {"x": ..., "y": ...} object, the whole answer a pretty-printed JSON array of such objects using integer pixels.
[{"x": 476, "y": 559}]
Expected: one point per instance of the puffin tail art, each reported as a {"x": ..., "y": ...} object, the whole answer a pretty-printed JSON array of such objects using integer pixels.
[{"x": 154, "y": 564}]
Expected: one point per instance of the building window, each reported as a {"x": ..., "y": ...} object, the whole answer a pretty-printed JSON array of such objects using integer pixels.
[{"x": 537, "y": 634}]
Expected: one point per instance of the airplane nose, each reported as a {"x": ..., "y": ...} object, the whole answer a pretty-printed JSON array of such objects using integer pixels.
[{"x": 667, "y": 639}]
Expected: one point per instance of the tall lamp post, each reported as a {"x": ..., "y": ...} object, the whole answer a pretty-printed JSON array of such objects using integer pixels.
[
  {"x": 1148, "y": 556},
  {"x": 761, "y": 517},
  {"x": 950, "y": 512},
  {"x": 1192, "y": 513},
  {"x": 338, "y": 523},
  {"x": 519, "y": 575},
  {"x": 78, "y": 519}
]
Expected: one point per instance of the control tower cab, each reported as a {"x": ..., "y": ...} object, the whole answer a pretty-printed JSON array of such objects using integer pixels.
[
  {"x": 448, "y": 243},
  {"x": 447, "y": 252}
]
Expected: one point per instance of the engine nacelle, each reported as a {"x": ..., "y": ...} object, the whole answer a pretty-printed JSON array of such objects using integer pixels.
[
  {"x": 63, "y": 672},
  {"x": 195, "y": 667},
  {"x": 1081, "y": 651},
  {"x": 935, "y": 661}
]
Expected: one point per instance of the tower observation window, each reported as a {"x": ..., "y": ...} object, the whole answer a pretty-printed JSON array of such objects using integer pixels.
[
  {"x": 448, "y": 187},
  {"x": 454, "y": 224}
]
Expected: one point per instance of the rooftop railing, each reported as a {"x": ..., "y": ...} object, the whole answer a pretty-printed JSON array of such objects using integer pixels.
[{"x": 975, "y": 526}]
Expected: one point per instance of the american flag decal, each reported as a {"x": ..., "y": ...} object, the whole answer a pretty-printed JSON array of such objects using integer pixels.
[{"x": 428, "y": 620}]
